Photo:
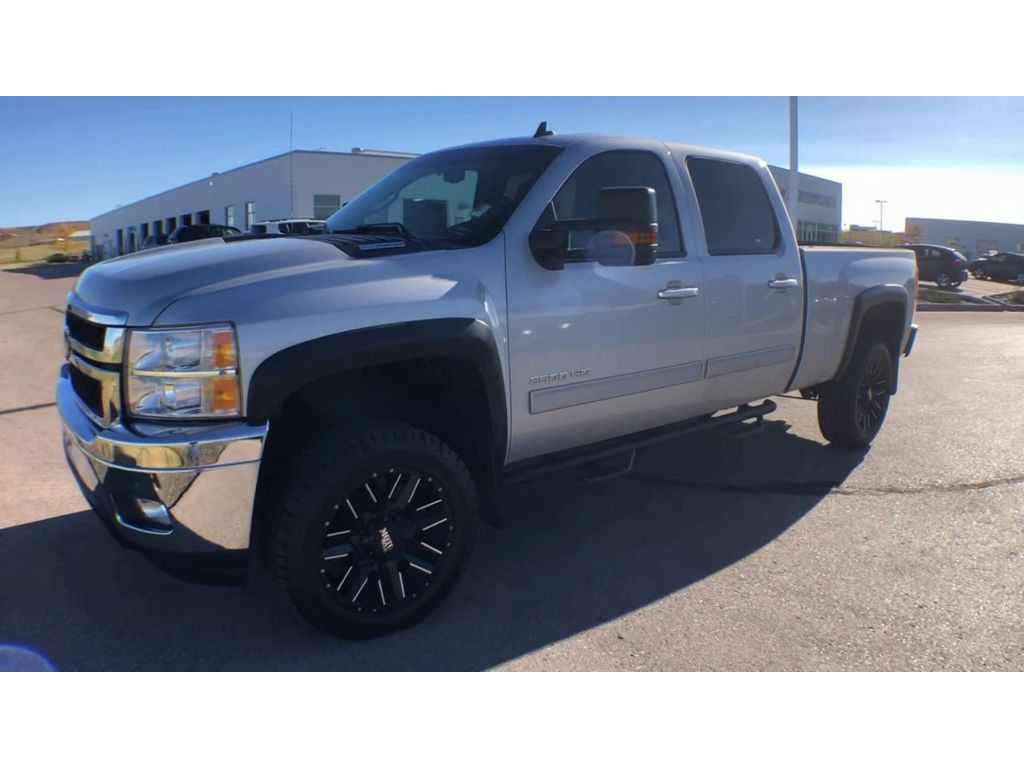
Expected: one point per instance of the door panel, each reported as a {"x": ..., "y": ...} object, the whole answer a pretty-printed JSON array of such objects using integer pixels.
[
  {"x": 594, "y": 352},
  {"x": 753, "y": 282}
]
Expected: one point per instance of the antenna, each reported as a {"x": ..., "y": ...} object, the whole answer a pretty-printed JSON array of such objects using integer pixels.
[{"x": 542, "y": 130}]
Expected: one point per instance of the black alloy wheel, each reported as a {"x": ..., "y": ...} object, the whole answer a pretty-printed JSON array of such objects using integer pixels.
[
  {"x": 387, "y": 537},
  {"x": 851, "y": 409},
  {"x": 943, "y": 280},
  {"x": 872, "y": 394},
  {"x": 376, "y": 524}
]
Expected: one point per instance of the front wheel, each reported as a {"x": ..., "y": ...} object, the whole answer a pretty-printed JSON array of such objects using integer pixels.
[
  {"x": 943, "y": 280},
  {"x": 980, "y": 273},
  {"x": 375, "y": 528},
  {"x": 851, "y": 409}
]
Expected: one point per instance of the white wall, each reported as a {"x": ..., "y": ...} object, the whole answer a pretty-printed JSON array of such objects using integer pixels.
[{"x": 277, "y": 189}]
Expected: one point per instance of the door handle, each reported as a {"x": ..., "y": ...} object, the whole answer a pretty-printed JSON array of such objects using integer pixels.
[
  {"x": 783, "y": 282},
  {"x": 680, "y": 292}
]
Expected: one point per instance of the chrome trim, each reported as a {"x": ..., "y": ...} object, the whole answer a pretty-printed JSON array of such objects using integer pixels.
[
  {"x": 110, "y": 390},
  {"x": 113, "y": 345},
  {"x": 554, "y": 398},
  {"x": 746, "y": 361},
  {"x": 687, "y": 292},
  {"x": 197, "y": 484},
  {"x": 93, "y": 314},
  {"x": 164, "y": 449},
  {"x": 212, "y": 373},
  {"x": 782, "y": 283}
]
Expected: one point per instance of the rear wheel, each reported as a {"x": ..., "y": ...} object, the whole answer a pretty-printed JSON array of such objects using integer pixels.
[
  {"x": 374, "y": 530},
  {"x": 979, "y": 272},
  {"x": 851, "y": 409},
  {"x": 943, "y": 280}
]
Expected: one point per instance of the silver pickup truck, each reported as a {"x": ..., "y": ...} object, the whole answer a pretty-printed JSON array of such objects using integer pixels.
[{"x": 342, "y": 407}]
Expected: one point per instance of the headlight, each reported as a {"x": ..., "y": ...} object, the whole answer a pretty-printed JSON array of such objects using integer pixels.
[{"x": 184, "y": 372}]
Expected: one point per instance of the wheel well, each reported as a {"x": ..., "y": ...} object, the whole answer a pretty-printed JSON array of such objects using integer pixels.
[
  {"x": 445, "y": 396},
  {"x": 884, "y": 323}
]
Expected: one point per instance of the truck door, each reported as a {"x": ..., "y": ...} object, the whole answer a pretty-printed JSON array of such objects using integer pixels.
[
  {"x": 753, "y": 281},
  {"x": 598, "y": 350}
]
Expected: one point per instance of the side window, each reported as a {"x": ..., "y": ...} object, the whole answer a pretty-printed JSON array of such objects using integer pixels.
[
  {"x": 578, "y": 197},
  {"x": 734, "y": 206}
]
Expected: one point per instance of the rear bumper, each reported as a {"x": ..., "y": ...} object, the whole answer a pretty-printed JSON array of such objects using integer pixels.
[{"x": 183, "y": 491}]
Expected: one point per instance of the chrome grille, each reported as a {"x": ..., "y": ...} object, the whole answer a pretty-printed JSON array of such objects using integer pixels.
[
  {"x": 92, "y": 335},
  {"x": 94, "y": 352}
]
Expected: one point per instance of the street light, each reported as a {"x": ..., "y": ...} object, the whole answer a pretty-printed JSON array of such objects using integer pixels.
[{"x": 881, "y": 208}]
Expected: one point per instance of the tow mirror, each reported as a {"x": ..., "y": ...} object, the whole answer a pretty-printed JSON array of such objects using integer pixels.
[{"x": 624, "y": 231}]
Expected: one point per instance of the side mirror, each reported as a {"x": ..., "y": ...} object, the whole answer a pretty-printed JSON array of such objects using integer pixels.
[{"x": 624, "y": 231}]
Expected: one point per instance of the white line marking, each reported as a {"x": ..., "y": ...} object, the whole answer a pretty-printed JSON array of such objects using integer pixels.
[
  {"x": 344, "y": 578},
  {"x": 392, "y": 491},
  {"x": 420, "y": 568},
  {"x": 414, "y": 487},
  {"x": 337, "y": 557},
  {"x": 435, "y": 551},
  {"x": 351, "y": 509},
  {"x": 434, "y": 525},
  {"x": 401, "y": 583},
  {"x": 370, "y": 491},
  {"x": 428, "y": 506},
  {"x": 338, "y": 533},
  {"x": 360, "y": 590},
  {"x": 380, "y": 588}
]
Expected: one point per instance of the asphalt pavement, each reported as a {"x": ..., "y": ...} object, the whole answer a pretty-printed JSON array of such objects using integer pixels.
[{"x": 770, "y": 552}]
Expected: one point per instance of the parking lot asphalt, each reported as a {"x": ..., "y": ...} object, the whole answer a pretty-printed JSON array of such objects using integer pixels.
[{"x": 768, "y": 552}]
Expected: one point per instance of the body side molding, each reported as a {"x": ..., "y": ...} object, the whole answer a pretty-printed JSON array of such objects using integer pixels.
[{"x": 564, "y": 396}]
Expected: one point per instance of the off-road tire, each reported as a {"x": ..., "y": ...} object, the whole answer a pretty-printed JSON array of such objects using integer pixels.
[
  {"x": 852, "y": 409},
  {"x": 323, "y": 489}
]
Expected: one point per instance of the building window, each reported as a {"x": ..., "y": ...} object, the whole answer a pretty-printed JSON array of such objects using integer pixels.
[
  {"x": 186, "y": 220},
  {"x": 144, "y": 231},
  {"x": 120, "y": 242},
  {"x": 158, "y": 227},
  {"x": 172, "y": 224},
  {"x": 203, "y": 217},
  {"x": 250, "y": 214},
  {"x": 229, "y": 215},
  {"x": 325, "y": 205}
]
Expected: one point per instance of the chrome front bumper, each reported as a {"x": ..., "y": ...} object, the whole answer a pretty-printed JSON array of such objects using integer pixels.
[{"x": 177, "y": 489}]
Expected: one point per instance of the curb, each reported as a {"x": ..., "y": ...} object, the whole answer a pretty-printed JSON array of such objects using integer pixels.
[{"x": 929, "y": 307}]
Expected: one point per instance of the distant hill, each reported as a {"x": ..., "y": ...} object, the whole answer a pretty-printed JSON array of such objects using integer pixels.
[
  {"x": 29, "y": 244},
  {"x": 16, "y": 237}
]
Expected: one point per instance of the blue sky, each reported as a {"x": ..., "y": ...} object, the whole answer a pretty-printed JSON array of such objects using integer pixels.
[{"x": 65, "y": 158}]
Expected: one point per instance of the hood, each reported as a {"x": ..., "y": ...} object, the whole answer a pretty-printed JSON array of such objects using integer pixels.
[{"x": 143, "y": 284}]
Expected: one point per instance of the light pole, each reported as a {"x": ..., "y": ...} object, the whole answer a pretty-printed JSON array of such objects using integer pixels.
[{"x": 881, "y": 204}]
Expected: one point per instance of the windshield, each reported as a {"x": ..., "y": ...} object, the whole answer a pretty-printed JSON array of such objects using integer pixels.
[{"x": 456, "y": 198}]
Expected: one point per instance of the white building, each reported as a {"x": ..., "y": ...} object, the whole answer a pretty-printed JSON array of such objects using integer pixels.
[
  {"x": 819, "y": 206},
  {"x": 297, "y": 184},
  {"x": 972, "y": 238}
]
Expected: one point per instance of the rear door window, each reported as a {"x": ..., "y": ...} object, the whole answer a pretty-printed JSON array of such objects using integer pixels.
[{"x": 734, "y": 206}]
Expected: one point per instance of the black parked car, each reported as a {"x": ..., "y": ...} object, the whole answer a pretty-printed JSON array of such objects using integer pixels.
[
  {"x": 1005, "y": 266},
  {"x": 153, "y": 241},
  {"x": 945, "y": 267},
  {"x": 189, "y": 232}
]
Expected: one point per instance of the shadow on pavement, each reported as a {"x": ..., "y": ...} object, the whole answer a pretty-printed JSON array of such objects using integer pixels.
[
  {"x": 570, "y": 558},
  {"x": 51, "y": 271}
]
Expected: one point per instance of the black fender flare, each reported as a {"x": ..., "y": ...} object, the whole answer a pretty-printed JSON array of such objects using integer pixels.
[
  {"x": 864, "y": 302},
  {"x": 285, "y": 372}
]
